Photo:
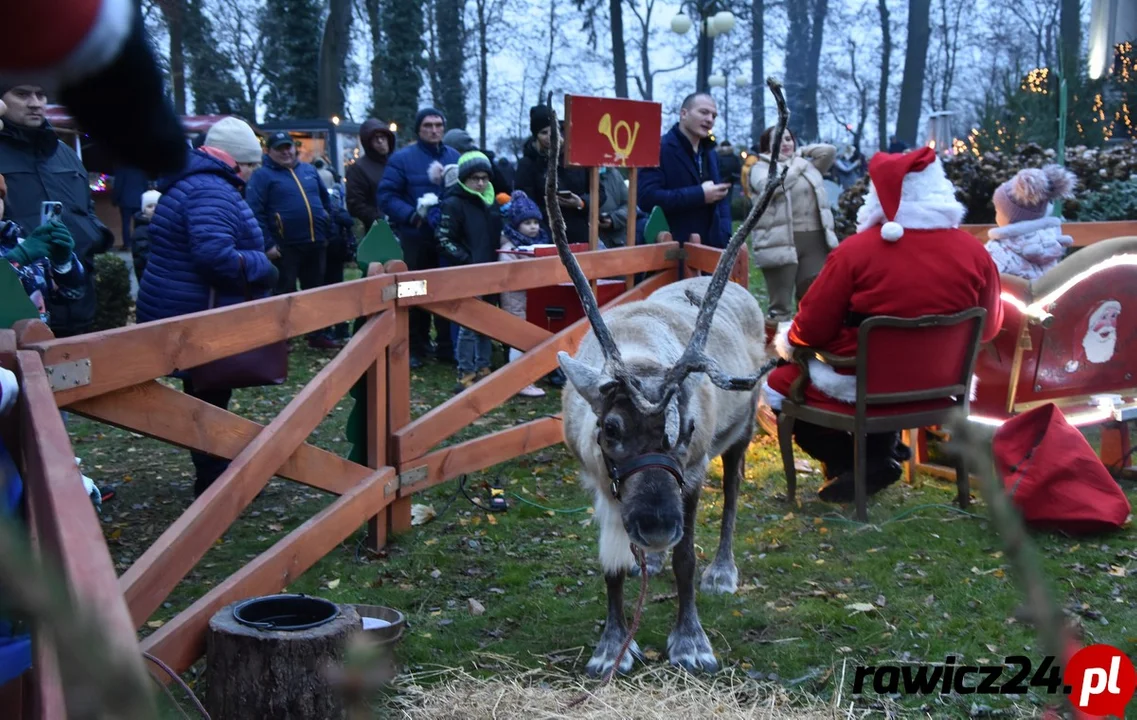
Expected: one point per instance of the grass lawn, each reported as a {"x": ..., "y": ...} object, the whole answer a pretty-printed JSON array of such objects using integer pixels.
[{"x": 935, "y": 579}]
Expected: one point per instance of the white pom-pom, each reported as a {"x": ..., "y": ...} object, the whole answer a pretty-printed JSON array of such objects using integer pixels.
[{"x": 892, "y": 231}]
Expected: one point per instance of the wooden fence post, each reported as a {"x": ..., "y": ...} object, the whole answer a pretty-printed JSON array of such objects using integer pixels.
[
  {"x": 377, "y": 427},
  {"x": 398, "y": 400}
]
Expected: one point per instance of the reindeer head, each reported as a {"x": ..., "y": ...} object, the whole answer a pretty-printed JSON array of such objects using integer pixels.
[{"x": 643, "y": 409}]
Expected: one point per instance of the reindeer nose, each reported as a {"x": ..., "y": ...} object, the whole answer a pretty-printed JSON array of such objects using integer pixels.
[{"x": 659, "y": 528}]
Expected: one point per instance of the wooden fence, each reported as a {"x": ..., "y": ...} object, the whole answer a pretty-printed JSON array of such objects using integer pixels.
[{"x": 112, "y": 376}]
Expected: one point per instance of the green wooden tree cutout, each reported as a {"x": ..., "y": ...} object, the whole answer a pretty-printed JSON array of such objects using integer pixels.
[
  {"x": 656, "y": 224},
  {"x": 378, "y": 245},
  {"x": 14, "y": 302}
]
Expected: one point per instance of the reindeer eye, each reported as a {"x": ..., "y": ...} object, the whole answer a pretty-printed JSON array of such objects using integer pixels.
[{"x": 613, "y": 428}]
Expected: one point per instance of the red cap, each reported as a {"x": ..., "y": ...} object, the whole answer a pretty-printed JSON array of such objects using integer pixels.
[{"x": 887, "y": 171}]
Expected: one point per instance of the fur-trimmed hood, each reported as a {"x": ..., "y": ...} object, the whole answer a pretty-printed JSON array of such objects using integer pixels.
[{"x": 927, "y": 202}]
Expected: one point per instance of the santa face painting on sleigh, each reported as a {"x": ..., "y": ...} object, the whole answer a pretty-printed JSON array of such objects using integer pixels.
[{"x": 1099, "y": 339}]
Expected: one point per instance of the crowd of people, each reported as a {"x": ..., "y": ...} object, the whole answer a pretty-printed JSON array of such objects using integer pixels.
[{"x": 247, "y": 218}]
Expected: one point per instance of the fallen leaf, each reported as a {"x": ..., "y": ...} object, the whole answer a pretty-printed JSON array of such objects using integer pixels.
[
  {"x": 476, "y": 608},
  {"x": 804, "y": 466},
  {"x": 422, "y": 514},
  {"x": 844, "y": 649},
  {"x": 491, "y": 520},
  {"x": 1117, "y": 571},
  {"x": 333, "y": 584},
  {"x": 860, "y": 607},
  {"x": 275, "y": 527},
  {"x": 436, "y": 574},
  {"x": 651, "y": 655},
  {"x": 156, "y": 624}
]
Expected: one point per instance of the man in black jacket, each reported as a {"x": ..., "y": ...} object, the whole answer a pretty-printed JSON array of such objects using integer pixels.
[
  {"x": 362, "y": 176},
  {"x": 40, "y": 168}
]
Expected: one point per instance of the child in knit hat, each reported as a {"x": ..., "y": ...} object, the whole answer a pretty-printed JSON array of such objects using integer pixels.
[
  {"x": 140, "y": 236},
  {"x": 1029, "y": 240},
  {"x": 522, "y": 228},
  {"x": 468, "y": 233}
]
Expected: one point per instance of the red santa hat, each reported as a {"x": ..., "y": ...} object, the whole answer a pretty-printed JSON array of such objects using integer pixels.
[{"x": 908, "y": 191}]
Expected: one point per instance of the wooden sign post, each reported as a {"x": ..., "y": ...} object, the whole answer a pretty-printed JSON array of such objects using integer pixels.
[{"x": 611, "y": 132}]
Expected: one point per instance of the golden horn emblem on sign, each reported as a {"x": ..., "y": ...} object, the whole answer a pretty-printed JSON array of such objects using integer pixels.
[{"x": 613, "y": 134}]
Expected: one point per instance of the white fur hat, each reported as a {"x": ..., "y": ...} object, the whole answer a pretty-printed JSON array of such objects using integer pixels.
[{"x": 150, "y": 197}]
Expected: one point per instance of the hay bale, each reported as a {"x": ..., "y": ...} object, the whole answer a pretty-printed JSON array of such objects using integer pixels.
[{"x": 658, "y": 691}]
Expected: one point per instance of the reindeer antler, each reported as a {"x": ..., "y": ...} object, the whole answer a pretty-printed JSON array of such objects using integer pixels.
[
  {"x": 694, "y": 359},
  {"x": 560, "y": 238}
]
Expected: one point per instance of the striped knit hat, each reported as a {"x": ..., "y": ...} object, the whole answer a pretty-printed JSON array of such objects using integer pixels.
[{"x": 471, "y": 163}]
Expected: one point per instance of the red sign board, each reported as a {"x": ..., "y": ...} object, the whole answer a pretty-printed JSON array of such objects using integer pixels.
[{"x": 612, "y": 132}]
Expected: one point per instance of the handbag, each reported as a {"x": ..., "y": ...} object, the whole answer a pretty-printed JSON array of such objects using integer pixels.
[{"x": 265, "y": 365}]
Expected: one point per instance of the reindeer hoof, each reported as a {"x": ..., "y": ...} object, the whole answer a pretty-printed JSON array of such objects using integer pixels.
[
  {"x": 720, "y": 578},
  {"x": 691, "y": 650},
  {"x": 605, "y": 655},
  {"x": 654, "y": 562}
]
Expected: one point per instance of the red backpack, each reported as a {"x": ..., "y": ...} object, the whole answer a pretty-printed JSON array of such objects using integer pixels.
[{"x": 1054, "y": 477}]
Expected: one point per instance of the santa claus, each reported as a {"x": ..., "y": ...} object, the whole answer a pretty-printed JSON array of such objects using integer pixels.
[
  {"x": 1096, "y": 338},
  {"x": 907, "y": 259}
]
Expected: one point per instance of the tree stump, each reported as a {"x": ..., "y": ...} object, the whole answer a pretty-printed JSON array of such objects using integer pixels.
[{"x": 275, "y": 674}]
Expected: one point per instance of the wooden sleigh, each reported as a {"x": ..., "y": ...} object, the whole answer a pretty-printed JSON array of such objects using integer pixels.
[{"x": 1068, "y": 338}]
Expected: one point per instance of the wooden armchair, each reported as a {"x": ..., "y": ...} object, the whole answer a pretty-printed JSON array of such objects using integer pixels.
[{"x": 940, "y": 351}]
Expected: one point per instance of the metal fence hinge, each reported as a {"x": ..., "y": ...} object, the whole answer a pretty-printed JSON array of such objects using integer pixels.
[
  {"x": 63, "y": 376},
  {"x": 675, "y": 254},
  {"x": 414, "y": 476},
  {"x": 390, "y": 292},
  {"x": 412, "y": 288},
  {"x": 391, "y": 487}
]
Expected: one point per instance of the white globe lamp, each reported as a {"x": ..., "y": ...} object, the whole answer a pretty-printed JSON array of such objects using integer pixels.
[
  {"x": 741, "y": 81},
  {"x": 723, "y": 22},
  {"x": 680, "y": 24},
  {"x": 716, "y": 81}
]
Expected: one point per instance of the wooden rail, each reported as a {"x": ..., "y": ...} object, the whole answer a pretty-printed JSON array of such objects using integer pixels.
[
  {"x": 113, "y": 378},
  {"x": 1083, "y": 233}
]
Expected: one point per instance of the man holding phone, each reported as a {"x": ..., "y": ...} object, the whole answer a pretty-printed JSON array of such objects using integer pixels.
[
  {"x": 687, "y": 185},
  {"x": 40, "y": 169}
]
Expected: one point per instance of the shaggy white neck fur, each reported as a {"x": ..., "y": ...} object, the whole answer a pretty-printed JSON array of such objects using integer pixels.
[{"x": 927, "y": 202}]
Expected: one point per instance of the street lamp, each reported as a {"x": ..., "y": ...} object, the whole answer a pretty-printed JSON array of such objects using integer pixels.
[
  {"x": 710, "y": 27},
  {"x": 716, "y": 80}
]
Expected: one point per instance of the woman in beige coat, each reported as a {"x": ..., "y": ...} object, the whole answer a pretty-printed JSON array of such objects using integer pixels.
[{"x": 795, "y": 234}]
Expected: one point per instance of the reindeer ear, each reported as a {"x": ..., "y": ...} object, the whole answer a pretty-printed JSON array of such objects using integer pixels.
[
  {"x": 671, "y": 423},
  {"x": 587, "y": 381}
]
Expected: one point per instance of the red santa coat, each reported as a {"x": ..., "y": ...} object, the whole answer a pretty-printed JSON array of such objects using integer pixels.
[{"x": 933, "y": 269}]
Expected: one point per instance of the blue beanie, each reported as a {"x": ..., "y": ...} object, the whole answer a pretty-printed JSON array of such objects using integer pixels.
[
  {"x": 426, "y": 112},
  {"x": 522, "y": 208}
]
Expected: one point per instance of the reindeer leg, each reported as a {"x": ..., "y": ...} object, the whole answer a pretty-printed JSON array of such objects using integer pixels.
[
  {"x": 721, "y": 576},
  {"x": 615, "y": 632},
  {"x": 687, "y": 645}
]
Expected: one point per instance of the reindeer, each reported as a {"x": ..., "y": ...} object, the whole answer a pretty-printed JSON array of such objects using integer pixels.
[{"x": 657, "y": 389}]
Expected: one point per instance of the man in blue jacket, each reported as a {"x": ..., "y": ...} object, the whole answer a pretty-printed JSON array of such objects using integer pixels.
[
  {"x": 405, "y": 181},
  {"x": 294, "y": 212},
  {"x": 687, "y": 184}
]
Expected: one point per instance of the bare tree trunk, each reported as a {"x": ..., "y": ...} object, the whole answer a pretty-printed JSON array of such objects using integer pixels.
[
  {"x": 882, "y": 91},
  {"x": 334, "y": 48},
  {"x": 432, "y": 55},
  {"x": 797, "y": 63},
  {"x": 619, "y": 52},
  {"x": 483, "y": 70},
  {"x": 174, "y": 12},
  {"x": 915, "y": 60},
  {"x": 820, "y": 10},
  {"x": 375, "y": 21},
  {"x": 549, "y": 55},
  {"x": 1071, "y": 31},
  {"x": 758, "y": 71}
]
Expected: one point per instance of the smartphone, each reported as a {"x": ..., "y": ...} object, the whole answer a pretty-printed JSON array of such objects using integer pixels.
[
  {"x": 564, "y": 193},
  {"x": 50, "y": 210}
]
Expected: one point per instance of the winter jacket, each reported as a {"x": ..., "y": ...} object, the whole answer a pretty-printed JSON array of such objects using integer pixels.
[
  {"x": 675, "y": 187},
  {"x": 615, "y": 206},
  {"x": 129, "y": 184},
  {"x": 405, "y": 180},
  {"x": 291, "y": 204},
  {"x": 514, "y": 301},
  {"x": 203, "y": 235},
  {"x": 64, "y": 283},
  {"x": 532, "y": 169},
  {"x": 38, "y": 167},
  {"x": 799, "y": 204},
  {"x": 363, "y": 176},
  {"x": 1028, "y": 249},
  {"x": 140, "y": 243},
  {"x": 470, "y": 230}
]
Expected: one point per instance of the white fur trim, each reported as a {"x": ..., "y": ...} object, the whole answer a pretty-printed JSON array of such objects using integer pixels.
[
  {"x": 832, "y": 383},
  {"x": 782, "y": 344},
  {"x": 892, "y": 231},
  {"x": 927, "y": 202},
  {"x": 1022, "y": 228},
  {"x": 615, "y": 553},
  {"x": 9, "y": 390},
  {"x": 771, "y": 397},
  {"x": 973, "y": 389},
  {"x": 103, "y": 41}
]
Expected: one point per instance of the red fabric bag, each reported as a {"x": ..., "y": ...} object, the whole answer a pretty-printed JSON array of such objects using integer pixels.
[{"x": 1053, "y": 475}]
